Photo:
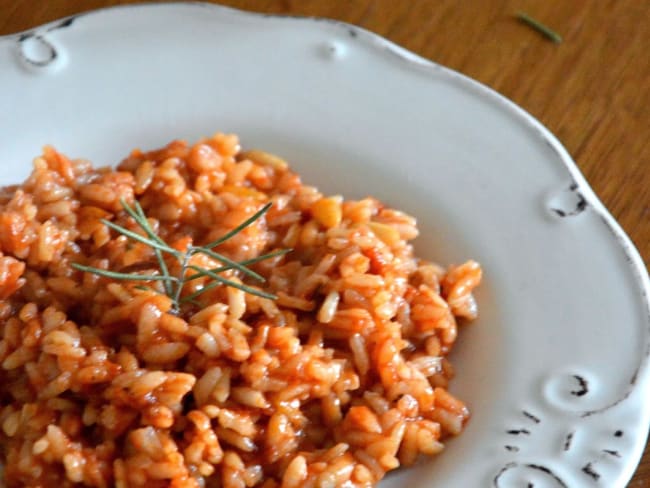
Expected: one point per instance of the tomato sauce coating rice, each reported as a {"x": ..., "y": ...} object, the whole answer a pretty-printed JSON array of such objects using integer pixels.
[{"x": 104, "y": 383}]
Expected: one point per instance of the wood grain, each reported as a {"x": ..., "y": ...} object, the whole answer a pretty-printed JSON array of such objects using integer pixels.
[{"x": 592, "y": 91}]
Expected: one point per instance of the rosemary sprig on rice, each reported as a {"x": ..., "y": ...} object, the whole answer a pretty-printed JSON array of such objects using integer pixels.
[{"x": 174, "y": 284}]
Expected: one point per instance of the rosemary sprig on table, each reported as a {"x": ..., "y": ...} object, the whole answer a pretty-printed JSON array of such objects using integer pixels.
[
  {"x": 174, "y": 284},
  {"x": 539, "y": 27}
]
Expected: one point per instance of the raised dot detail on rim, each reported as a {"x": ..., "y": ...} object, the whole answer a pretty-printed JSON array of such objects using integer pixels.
[{"x": 333, "y": 50}]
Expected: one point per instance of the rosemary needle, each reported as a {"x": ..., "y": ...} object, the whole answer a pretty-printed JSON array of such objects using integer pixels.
[
  {"x": 140, "y": 218},
  {"x": 137, "y": 237},
  {"x": 221, "y": 269},
  {"x": 539, "y": 27},
  {"x": 233, "y": 284},
  {"x": 229, "y": 262},
  {"x": 121, "y": 276},
  {"x": 240, "y": 227}
]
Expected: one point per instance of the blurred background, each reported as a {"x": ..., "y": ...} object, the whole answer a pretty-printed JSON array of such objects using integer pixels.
[{"x": 592, "y": 90}]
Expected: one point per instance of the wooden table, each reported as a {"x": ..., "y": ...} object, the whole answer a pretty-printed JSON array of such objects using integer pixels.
[{"x": 592, "y": 90}]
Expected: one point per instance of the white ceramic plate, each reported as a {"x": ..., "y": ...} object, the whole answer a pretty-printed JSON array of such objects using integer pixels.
[{"x": 555, "y": 371}]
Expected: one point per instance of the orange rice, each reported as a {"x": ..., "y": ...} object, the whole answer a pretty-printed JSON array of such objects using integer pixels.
[{"x": 340, "y": 380}]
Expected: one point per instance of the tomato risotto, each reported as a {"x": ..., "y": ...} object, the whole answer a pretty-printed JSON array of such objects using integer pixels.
[{"x": 199, "y": 317}]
